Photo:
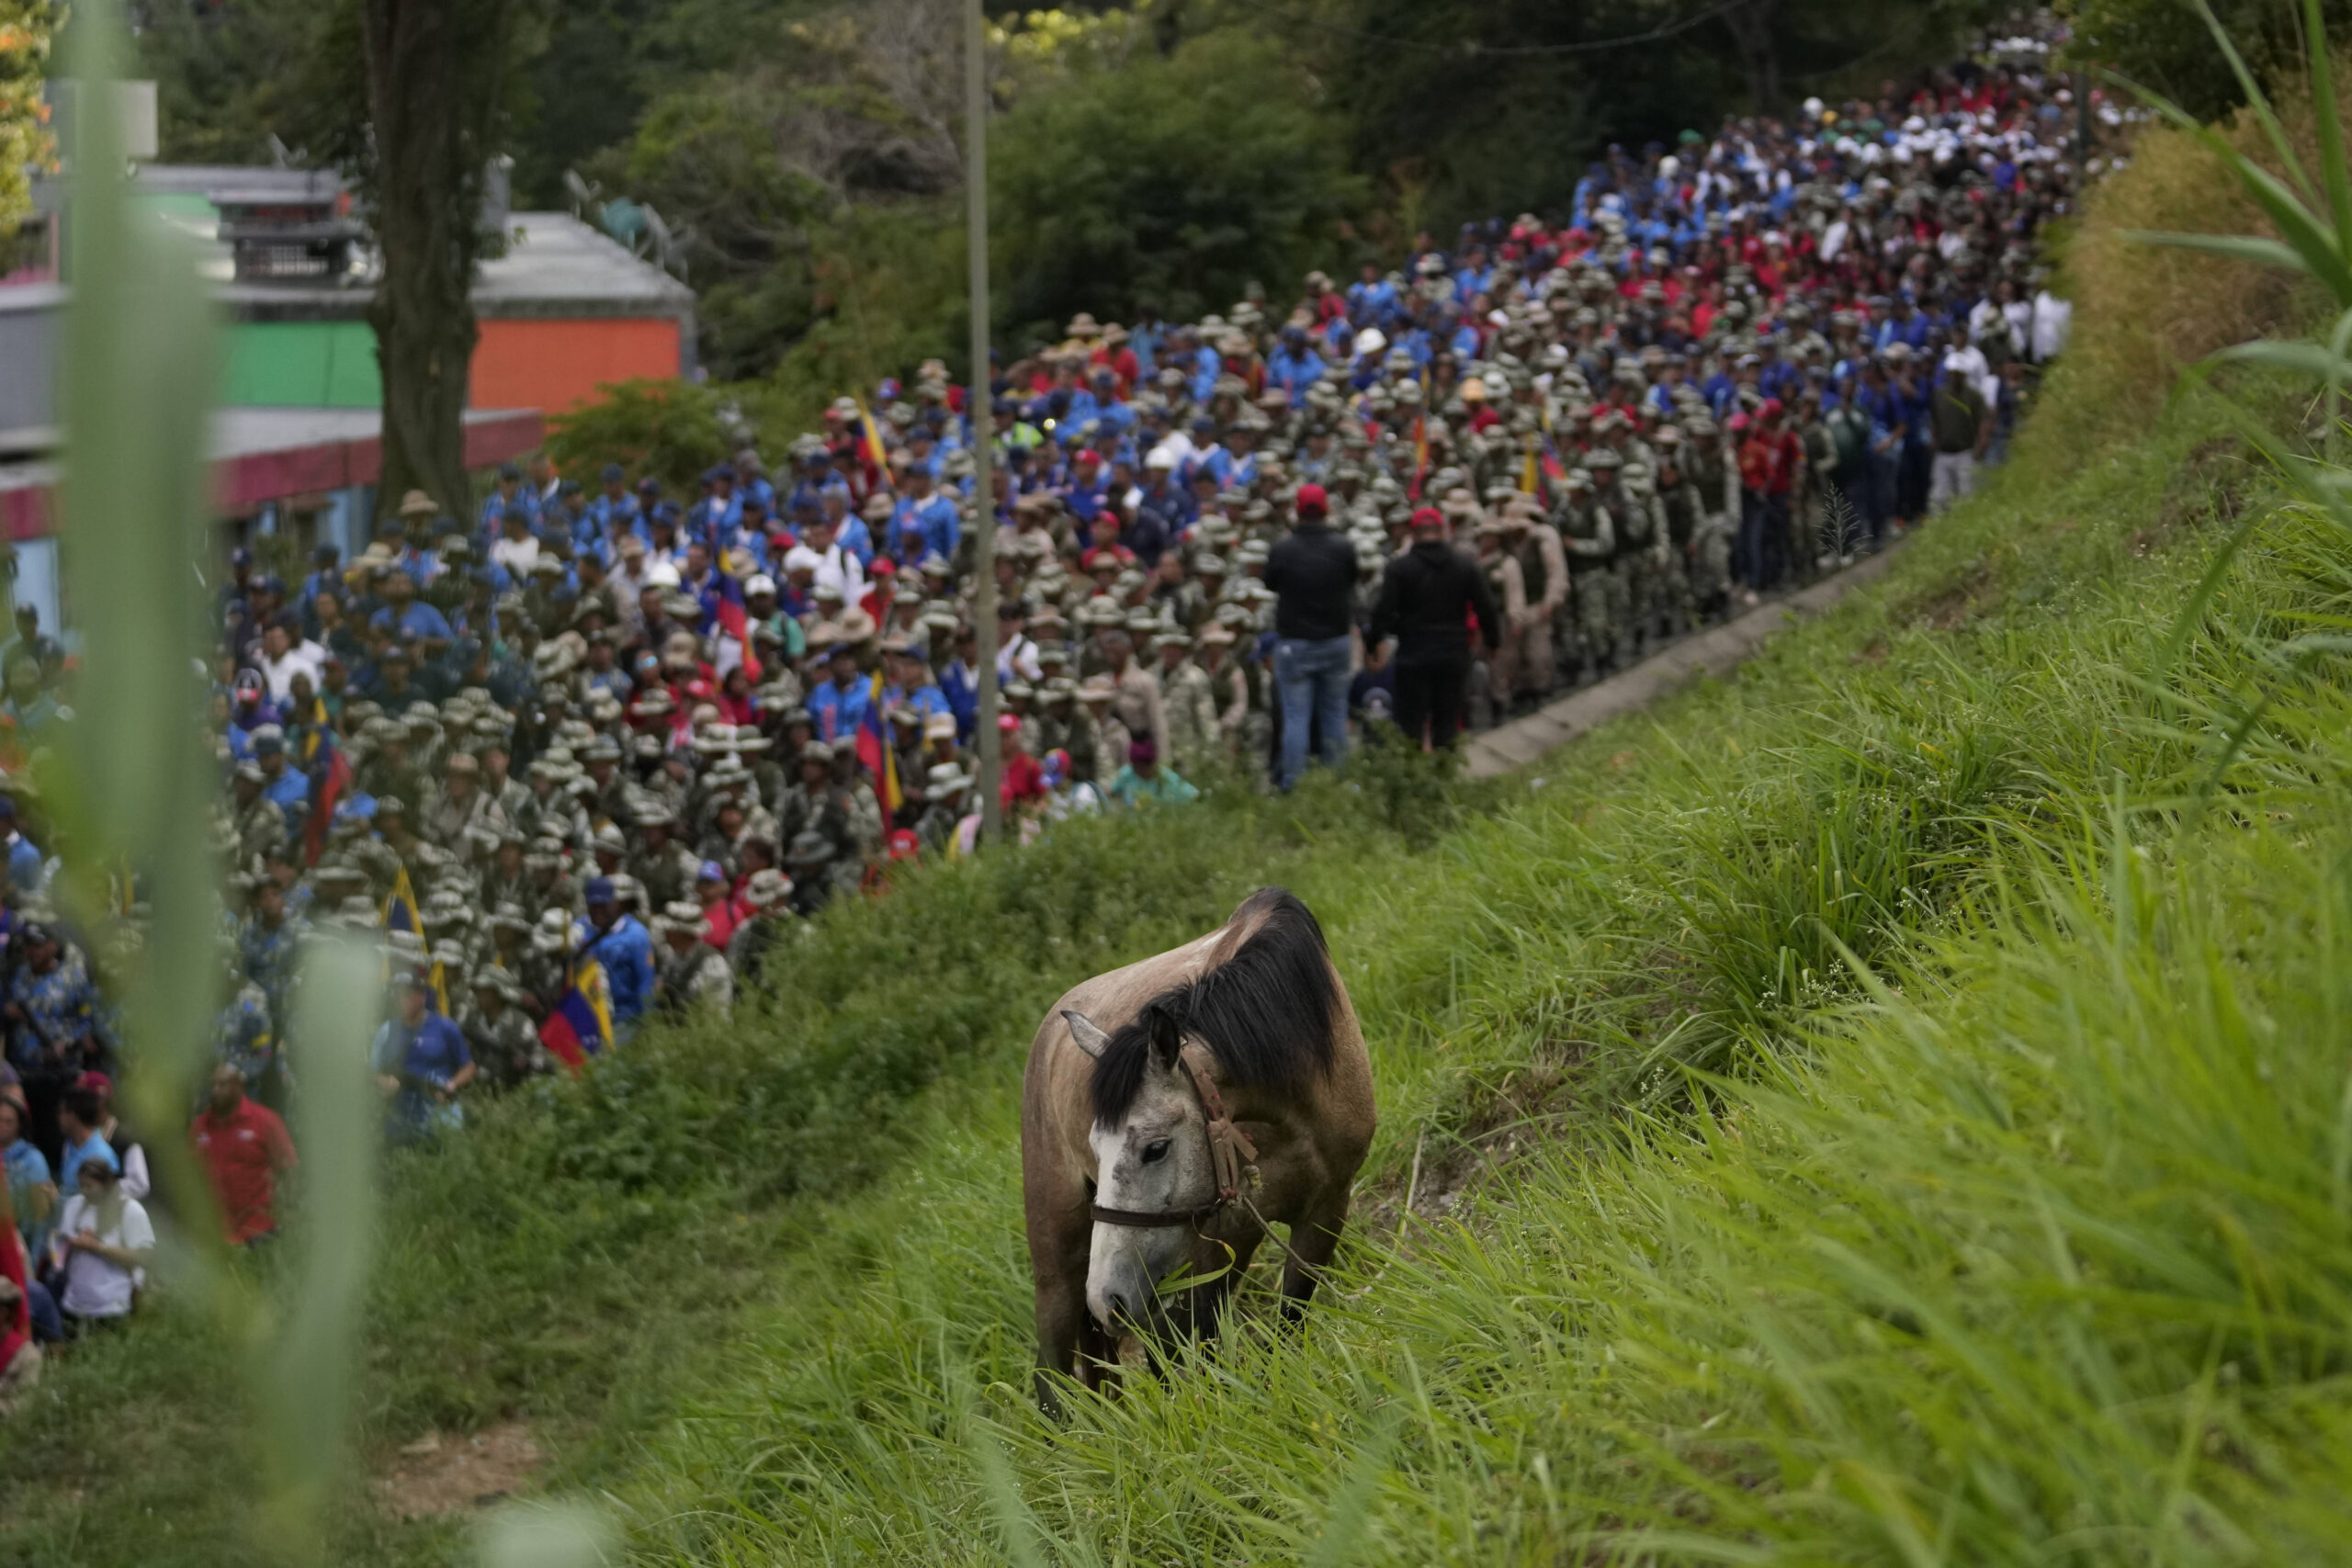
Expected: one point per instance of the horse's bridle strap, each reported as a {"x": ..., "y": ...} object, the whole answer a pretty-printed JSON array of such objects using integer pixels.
[
  {"x": 1153, "y": 1219},
  {"x": 1231, "y": 1154}
]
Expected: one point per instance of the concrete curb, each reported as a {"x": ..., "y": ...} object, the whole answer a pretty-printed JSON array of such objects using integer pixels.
[{"x": 1711, "y": 652}]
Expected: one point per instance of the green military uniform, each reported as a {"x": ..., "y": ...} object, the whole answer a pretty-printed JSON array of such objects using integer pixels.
[{"x": 1589, "y": 535}]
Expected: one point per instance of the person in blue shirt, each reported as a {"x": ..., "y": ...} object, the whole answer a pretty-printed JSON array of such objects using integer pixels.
[
  {"x": 624, "y": 949},
  {"x": 933, "y": 516},
  {"x": 605, "y": 519},
  {"x": 421, "y": 1065},
  {"x": 285, "y": 786},
  {"x": 81, "y": 1115},
  {"x": 1145, "y": 338},
  {"x": 1295, "y": 365},
  {"x": 410, "y": 616},
  {"x": 24, "y": 855},
  {"x": 512, "y": 495},
  {"x": 714, "y": 517},
  {"x": 1372, "y": 301},
  {"x": 840, "y": 701}
]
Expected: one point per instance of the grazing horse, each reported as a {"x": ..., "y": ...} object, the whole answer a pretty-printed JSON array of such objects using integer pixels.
[{"x": 1169, "y": 1108}]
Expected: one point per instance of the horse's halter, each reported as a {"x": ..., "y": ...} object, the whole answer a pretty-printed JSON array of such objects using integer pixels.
[{"x": 1232, "y": 1156}]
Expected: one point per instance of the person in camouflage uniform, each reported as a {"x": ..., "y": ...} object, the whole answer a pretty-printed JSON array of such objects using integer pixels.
[
  {"x": 498, "y": 1032},
  {"x": 692, "y": 976},
  {"x": 1650, "y": 590},
  {"x": 665, "y": 868},
  {"x": 1188, "y": 702},
  {"x": 1589, "y": 535}
]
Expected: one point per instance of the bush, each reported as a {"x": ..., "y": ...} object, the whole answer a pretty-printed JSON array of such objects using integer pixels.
[
  {"x": 671, "y": 430},
  {"x": 1178, "y": 179}
]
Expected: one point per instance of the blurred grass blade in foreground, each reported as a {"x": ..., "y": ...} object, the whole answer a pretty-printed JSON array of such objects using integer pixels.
[{"x": 308, "y": 1368}]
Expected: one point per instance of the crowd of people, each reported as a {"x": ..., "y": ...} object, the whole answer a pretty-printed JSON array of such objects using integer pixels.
[{"x": 584, "y": 726}]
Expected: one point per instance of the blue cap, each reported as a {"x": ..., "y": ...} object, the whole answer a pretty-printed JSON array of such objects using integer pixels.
[
  {"x": 613, "y": 472},
  {"x": 711, "y": 871},
  {"x": 599, "y": 890}
]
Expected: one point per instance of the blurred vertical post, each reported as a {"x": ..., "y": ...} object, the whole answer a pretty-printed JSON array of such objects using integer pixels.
[
  {"x": 136, "y": 371},
  {"x": 975, "y": 227},
  {"x": 136, "y": 378}
]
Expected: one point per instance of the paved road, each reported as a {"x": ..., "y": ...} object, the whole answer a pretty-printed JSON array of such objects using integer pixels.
[{"x": 1711, "y": 652}]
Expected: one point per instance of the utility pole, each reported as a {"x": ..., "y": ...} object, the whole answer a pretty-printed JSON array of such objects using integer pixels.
[
  {"x": 979, "y": 400},
  {"x": 2082, "y": 129}
]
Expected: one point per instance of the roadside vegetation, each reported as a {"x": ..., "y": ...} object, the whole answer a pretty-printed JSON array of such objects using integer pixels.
[{"x": 1888, "y": 1105}]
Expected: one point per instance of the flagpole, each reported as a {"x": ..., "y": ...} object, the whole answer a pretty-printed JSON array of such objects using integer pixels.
[{"x": 979, "y": 397}]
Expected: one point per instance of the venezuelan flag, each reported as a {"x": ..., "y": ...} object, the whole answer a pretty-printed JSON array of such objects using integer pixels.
[
  {"x": 581, "y": 1025},
  {"x": 401, "y": 912},
  {"x": 874, "y": 749},
  {"x": 869, "y": 442}
]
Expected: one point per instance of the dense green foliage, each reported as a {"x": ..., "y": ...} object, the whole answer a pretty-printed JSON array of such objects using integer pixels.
[
  {"x": 808, "y": 156},
  {"x": 2027, "y": 1231},
  {"x": 1177, "y": 180},
  {"x": 670, "y": 431},
  {"x": 2169, "y": 48}
]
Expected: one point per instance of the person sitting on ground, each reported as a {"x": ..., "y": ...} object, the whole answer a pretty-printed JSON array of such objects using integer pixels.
[
  {"x": 1144, "y": 779},
  {"x": 101, "y": 1249},
  {"x": 19, "y": 1355},
  {"x": 130, "y": 1153},
  {"x": 31, "y": 1192}
]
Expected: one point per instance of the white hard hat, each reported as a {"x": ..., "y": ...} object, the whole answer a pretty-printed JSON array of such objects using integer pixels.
[
  {"x": 1372, "y": 340},
  {"x": 661, "y": 574}
]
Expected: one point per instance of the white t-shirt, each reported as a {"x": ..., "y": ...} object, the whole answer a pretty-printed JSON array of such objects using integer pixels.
[
  {"x": 95, "y": 1286},
  {"x": 306, "y": 658}
]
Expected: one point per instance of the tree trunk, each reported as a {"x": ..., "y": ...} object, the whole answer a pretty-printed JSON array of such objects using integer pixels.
[
  {"x": 1751, "y": 31},
  {"x": 437, "y": 84}
]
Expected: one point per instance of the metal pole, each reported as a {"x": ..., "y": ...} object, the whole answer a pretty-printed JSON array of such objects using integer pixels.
[
  {"x": 979, "y": 398},
  {"x": 2082, "y": 133}
]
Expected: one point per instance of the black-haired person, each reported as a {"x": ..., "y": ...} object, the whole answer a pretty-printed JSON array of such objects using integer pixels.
[
  {"x": 104, "y": 1239},
  {"x": 1429, "y": 596}
]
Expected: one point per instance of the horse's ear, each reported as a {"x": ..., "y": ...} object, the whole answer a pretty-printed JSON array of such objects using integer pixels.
[
  {"x": 1086, "y": 1031},
  {"x": 1167, "y": 1040}
]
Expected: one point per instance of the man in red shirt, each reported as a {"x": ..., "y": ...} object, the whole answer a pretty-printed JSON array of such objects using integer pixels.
[
  {"x": 1768, "y": 463},
  {"x": 244, "y": 1147}
]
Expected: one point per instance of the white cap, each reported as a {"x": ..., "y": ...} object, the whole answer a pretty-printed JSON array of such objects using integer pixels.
[
  {"x": 760, "y": 584},
  {"x": 800, "y": 558},
  {"x": 1372, "y": 340},
  {"x": 662, "y": 574},
  {"x": 1160, "y": 458}
]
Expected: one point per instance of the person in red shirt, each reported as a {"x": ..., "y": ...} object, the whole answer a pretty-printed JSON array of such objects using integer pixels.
[
  {"x": 244, "y": 1149},
  {"x": 1025, "y": 779},
  {"x": 1769, "y": 462}
]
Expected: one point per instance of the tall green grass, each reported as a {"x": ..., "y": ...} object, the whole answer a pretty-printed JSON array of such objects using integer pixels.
[
  {"x": 1888, "y": 1105},
  {"x": 1902, "y": 1102}
]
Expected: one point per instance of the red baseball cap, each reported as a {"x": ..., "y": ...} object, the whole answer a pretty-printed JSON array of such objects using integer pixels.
[
  {"x": 1427, "y": 517},
  {"x": 1312, "y": 501}
]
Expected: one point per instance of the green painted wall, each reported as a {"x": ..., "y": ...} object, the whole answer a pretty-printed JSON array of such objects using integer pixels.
[{"x": 301, "y": 365}]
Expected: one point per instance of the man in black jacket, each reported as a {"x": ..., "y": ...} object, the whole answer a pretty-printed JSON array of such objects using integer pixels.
[
  {"x": 1426, "y": 601},
  {"x": 1312, "y": 574}
]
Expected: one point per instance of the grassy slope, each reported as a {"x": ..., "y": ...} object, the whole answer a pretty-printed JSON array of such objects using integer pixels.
[
  {"x": 2031, "y": 1235},
  {"x": 2045, "y": 1240}
]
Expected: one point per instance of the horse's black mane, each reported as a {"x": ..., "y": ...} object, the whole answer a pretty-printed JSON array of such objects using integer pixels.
[{"x": 1266, "y": 1013}]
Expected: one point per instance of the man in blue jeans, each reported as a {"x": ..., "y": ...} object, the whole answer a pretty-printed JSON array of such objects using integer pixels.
[{"x": 1312, "y": 574}]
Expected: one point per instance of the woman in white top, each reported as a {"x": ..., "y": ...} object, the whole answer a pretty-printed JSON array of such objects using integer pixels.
[{"x": 102, "y": 1239}]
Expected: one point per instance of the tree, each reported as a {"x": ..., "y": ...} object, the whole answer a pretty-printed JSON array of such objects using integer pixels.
[
  {"x": 2165, "y": 45},
  {"x": 25, "y": 140},
  {"x": 438, "y": 72},
  {"x": 1176, "y": 179}
]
